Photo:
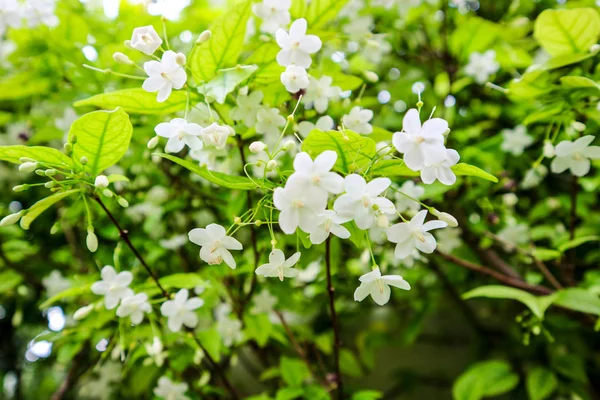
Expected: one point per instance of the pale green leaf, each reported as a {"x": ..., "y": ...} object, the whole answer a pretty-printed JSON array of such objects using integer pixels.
[
  {"x": 225, "y": 45},
  {"x": 567, "y": 31},
  {"x": 345, "y": 81},
  {"x": 578, "y": 242},
  {"x": 546, "y": 254},
  {"x": 136, "y": 101},
  {"x": 579, "y": 82},
  {"x": 353, "y": 150},
  {"x": 22, "y": 85},
  {"x": 564, "y": 60},
  {"x": 321, "y": 12},
  {"x": 293, "y": 371},
  {"x": 537, "y": 307},
  {"x": 485, "y": 379},
  {"x": 41, "y": 154},
  {"x": 541, "y": 383},
  {"x": 269, "y": 71},
  {"x": 579, "y": 300},
  {"x": 463, "y": 169},
  {"x": 226, "y": 81},
  {"x": 103, "y": 137},
  {"x": 38, "y": 208},
  {"x": 71, "y": 292},
  {"x": 392, "y": 168}
]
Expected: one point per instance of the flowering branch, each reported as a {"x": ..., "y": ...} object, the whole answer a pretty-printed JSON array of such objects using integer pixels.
[{"x": 334, "y": 322}]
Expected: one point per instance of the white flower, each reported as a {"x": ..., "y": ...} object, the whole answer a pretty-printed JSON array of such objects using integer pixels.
[
  {"x": 481, "y": 66},
  {"x": 10, "y": 15},
  {"x": 134, "y": 306},
  {"x": 515, "y": 141},
  {"x": 247, "y": 108},
  {"x": 114, "y": 287},
  {"x": 101, "y": 182},
  {"x": 378, "y": 286},
  {"x": 375, "y": 48},
  {"x": 421, "y": 145},
  {"x": 164, "y": 76},
  {"x": 513, "y": 235},
  {"x": 180, "y": 310},
  {"x": 269, "y": 121},
  {"x": 441, "y": 171},
  {"x": 415, "y": 233},
  {"x": 180, "y": 133},
  {"x": 328, "y": 222},
  {"x": 155, "y": 350},
  {"x": 359, "y": 27},
  {"x": 40, "y": 12},
  {"x": 358, "y": 120},
  {"x": 310, "y": 273},
  {"x": 145, "y": 39},
  {"x": 230, "y": 331},
  {"x": 448, "y": 239},
  {"x": 325, "y": 123},
  {"x": 298, "y": 207},
  {"x": 403, "y": 203},
  {"x": 55, "y": 283},
  {"x": 362, "y": 202},
  {"x": 169, "y": 390},
  {"x": 174, "y": 242},
  {"x": 575, "y": 156},
  {"x": 274, "y": 13},
  {"x": 202, "y": 115},
  {"x": 278, "y": 266},
  {"x": 352, "y": 8},
  {"x": 296, "y": 46},
  {"x": 316, "y": 176},
  {"x": 215, "y": 244},
  {"x": 264, "y": 302},
  {"x": 216, "y": 135},
  {"x": 319, "y": 92},
  {"x": 294, "y": 78},
  {"x": 534, "y": 176}
]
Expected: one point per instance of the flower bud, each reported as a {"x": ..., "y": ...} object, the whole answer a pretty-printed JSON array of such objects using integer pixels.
[
  {"x": 271, "y": 165},
  {"x": 180, "y": 59},
  {"x": 49, "y": 184},
  {"x": 50, "y": 172},
  {"x": 243, "y": 91},
  {"x": 548, "y": 149},
  {"x": 152, "y": 143},
  {"x": 28, "y": 167},
  {"x": 55, "y": 228},
  {"x": 26, "y": 159},
  {"x": 204, "y": 36},
  {"x": 83, "y": 312},
  {"x": 273, "y": 243},
  {"x": 289, "y": 145},
  {"x": 68, "y": 148},
  {"x": 107, "y": 193},
  {"x": 83, "y": 160},
  {"x": 40, "y": 172},
  {"x": 20, "y": 188},
  {"x": 122, "y": 202},
  {"x": 121, "y": 58},
  {"x": 445, "y": 217},
  {"x": 594, "y": 48},
  {"x": 257, "y": 147},
  {"x": 11, "y": 219},
  {"x": 578, "y": 126},
  {"x": 237, "y": 220},
  {"x": 371, "y": 76},
  {"x": 510, "y": 199},
  {"x": 91, "y": 241},
  {"x": 101, "y": 182}
]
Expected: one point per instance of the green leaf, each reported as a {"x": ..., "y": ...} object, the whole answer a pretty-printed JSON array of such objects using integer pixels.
[
  {"x": 293, "y": 371},
  {"x": 117, "y": 178},
  {"x": 380, "y": 135},
  {"x": 546, "y": 254},
  {"x": 488, "y": 378},
  {"x": 567, "y": 31},
  {"x": 289, "y": 393},
  {"x": 181, "y": 281},
  {"x": 578, "y": 82},
  {"x": 345, "y": 82},
  {"x": 211, "y": 340},
  {"x": 225, "y": 45},
  {"x": 320, "y": 12},
  {"x": 367, "y": 395},
  {"x": 462, "y": 169},
  {"x": 577, "y": 242},
  {"x": 71, "y": 292},
  {"x": 354, "y": 151},
  {"x": 218, "y": 178},
  {"x": 537, "y": 307},
  {"x": 564, "y": 60},
  {"x": 269, "y": 70},
  {"x": 22, "y": 85},
  {"x": 103, "y": 137},
  {"x": 42, "y": 154},
  {"x": 258, "y": 327},
  {"x": 541, "y": 383},
  {"x": 398, "y": 168},
  {"x": 8, "y": 280},
  {"x": 38, "y": 208},
  {"x": 297, "y": 9},
  {"x": 136, "y": 101},
  {"x": 348, "y": 364},
  {"x": 226, "y": 81},
  {"x": 579, "y": 300}
]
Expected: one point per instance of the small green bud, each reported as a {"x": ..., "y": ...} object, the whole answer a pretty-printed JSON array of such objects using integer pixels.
[
  {"x": 40, "y": 172},
  {"x": 152, "y": 143},
  {"x": 91, "y": 241},
  {"x": 11, "y": 219},
  {"x": 28, "y": 167},
  {"x": 68, "y": 148},
  {"x": 122, "y": 202},
  {"x": 258, "y": 222},
  {"x": 55, "y": 228},
  {"x": 83, "y": 160},
  {"x": 419, "y": 104},
  {"x": 107, "y": 193},
  {"x": 50, "y": 172},
  {"x": 49, "y": 184},
  {"x": 73, "y": 139},
  {"x": 237, "y": 220},
  {"x": 20, "y": 188}
]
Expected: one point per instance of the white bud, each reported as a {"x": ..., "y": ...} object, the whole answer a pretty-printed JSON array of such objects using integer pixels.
[
  {"x": 28, "y": 167},
  {"x": 447, "y": 218},
  {"x": 49, "y": 185},
  {"x": 101, "y": 182},
  {"x": 383, "y": 221},
  {"x": 257, "y": 147},
  {"x": 91, "y": 241},
  {"x": 510, "y": 199},
  {"x": 11, "y": 219},
  {"x": 180, "y": 59},
  {"x": 289, "y": 145},
  {"x": 83, "y": 312},
  {"x": 271, "y": 165},
  {"x": 107, "y": 193},
  {"x": 122, "y": 58},
  {"x": 548, "y": 149},
  {"x": 578, "y": 126},
  {"x": 26, "y": 159},
  {"x": 371, "y": 76},
  {"x": 50, "y": 172},
  {"x": 152, "y": 143},
  {"x": 20, "y": 188},
  {"x": 204, "y": 36},
  {"x": 84, "y": 160},
  {"x": 122, "y": 202},
  {"x": 594, "y": 48}
]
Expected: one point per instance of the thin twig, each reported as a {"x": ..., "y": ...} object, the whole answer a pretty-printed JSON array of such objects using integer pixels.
[
  {"x": 334, "y": 322},
  {"x": 217, "y": 367}
]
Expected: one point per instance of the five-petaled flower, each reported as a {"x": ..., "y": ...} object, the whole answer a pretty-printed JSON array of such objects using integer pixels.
[
  {"x": 145, "y": 39},
  {"x": 274, "y": 13},
  {"x": 378, "y": 286},
  {"x": 294, "y": 78},
  {"x": 134, "y": 306},
  {"x": 169, "y": 390},
  {"x": 278, "y": 266},
  {"x": 164, "y": 76},
  {"x": 358, "y": 120},
  {"x": 114, "y": 287},
  {"x": 415, "y": 233},
  {"x": 181, "y": 310},
  {"x": 575, "y": 156},
  {"x": 180, "y": 133},
  {"x": 215, "y": 244},
  {"x": 296, "y": 46}
]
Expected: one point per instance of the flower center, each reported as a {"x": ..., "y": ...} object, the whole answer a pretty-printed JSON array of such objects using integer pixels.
[
  {"x": 165, "y": 76},
  {"x": 419, "y": 236},
  {"x": 297, "y": 204},
  {"x": 419, "y": 139},
  {"x": 146, "y": 38},
  {"x": 578, "y": 157},
  {"x": 380, "y": 284},
  {"x": 316, "y": 178},
  {"x": 296, "y": 44}
]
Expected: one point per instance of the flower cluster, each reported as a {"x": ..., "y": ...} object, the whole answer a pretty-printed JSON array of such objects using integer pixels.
[{"x": 34, "y": 12}]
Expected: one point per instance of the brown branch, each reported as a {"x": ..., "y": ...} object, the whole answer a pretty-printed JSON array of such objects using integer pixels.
[
  {"x": 72, "y": 375},
  {"x": 547, "y": 274},
  {"x": 337, "y": 344},
  {"x": 233, "y": 393}
]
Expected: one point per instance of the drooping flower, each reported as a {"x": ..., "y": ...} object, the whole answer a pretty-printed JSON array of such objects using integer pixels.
[
  {"x": 164, "y": 76},
  {"x": 134, "y": 306},
  {"x": 421, "y": 145},
  {"x": 362, "y": 201},
  {"x": 316, "y": 176},
  {"x": 481, "y": 66},
  {"x": 278, "y": 266},
  {"x": 145, "y": 39},
  {"x": 274, "y": 14},
  {"x": 269, "y": 121},
  {"x": 216, "y": 135},
  {"x": 114, "y": 287},
  {"x": 441, "y": 171},
  {"x": 298, "y": 207},
  {"x": 296, "y": 46},
  {"x": 378, "y": 286},
  {"x": 180, "y": 133},
  {"x": 325, "y": 123},
  {"x": 155, "y": 351},
  {"x": 248, "y": 106},
  {"x": 181, "y": 310},
  {"x": 294, "y": 78},
  {"x": 329, "y": 222},
  {"x": 215, "y": 244},
  {"x": 320, "y": 91},
  {"x": 514, "y": 141},
  {"x": 408, "y": 235},
  {"x": 169, "y": 390},
  {"x": 358, "y": 120},
  {"x": 575, "y": 156}
]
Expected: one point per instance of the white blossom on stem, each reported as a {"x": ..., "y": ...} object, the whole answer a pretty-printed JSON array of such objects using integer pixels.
[
  {"x": 278, "y": 266},
  {"x": 180, "y": 133},
  {"x": 320, "y": 91},
  {"x": 514, "y": 141},
  {"x": 441, "y": 171},
  {"x": 325, "y": 123},
  {"x": 575, "y": 156},
  {"x": 169, "y": 390},
  {"x": 358, "y": 120},
  {"x": 215, "y": 244},
  {"x": 294, "y": 78},
  {"x": 482, "y": 66},
  {"x": 134, "y": 306},
  {"x": 248, "y": 106},
  {"x": 145, "y": 39},
  {"x": 378, "y": 286},
  {"x": 296, "y": 46},
  {"x": 114, "y": 287},
  {"x": 329, "y": 222},
  {"x": 164, "y": 76},
  {"x": 414, "y": 234},
  {"x": 181, "y": 310},
  {"x": 274, "y": 14},
  {"x": 269, "y": 122}
]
